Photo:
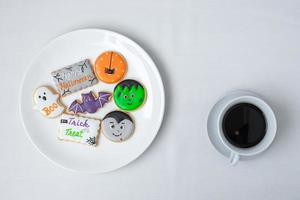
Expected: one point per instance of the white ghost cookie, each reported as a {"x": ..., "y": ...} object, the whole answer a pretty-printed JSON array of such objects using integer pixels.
[
  {"x": 46, "y": 101},
  {"x": 117, "y": 126}
]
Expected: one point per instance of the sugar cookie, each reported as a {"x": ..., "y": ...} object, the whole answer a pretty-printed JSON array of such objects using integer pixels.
[
  {"x": 79, "y": 129},
  {"x": 46, "y": 101},
  {"x": 74, "y": 77},
  {"x": 117, "y": 126},
  {"x": 90, "y": 103},
  {"x": 129, "y": 95},
  {"x": 110, "y": 67}
]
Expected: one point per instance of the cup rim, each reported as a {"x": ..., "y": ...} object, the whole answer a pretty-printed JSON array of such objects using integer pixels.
[{"x": 270, "y": 120}]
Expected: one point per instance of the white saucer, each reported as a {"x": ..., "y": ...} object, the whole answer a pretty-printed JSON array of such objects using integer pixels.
[{"x": 107, "y": 156}]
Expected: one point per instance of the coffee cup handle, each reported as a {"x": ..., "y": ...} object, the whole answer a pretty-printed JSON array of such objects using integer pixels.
[{"x": 234, "y": 158}]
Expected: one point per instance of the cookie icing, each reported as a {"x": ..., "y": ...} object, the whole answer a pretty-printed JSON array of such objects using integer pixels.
[
  {"x": 129, "y": 95},
  {"x": 90, "y": 103},
  {"x": 110, "y": 67},
  {"x": 74, "y": 77},
  {"x": 79, "y": 129},
  {"x": 46, "y": 101},
  {"x": 117, "y": 126}
]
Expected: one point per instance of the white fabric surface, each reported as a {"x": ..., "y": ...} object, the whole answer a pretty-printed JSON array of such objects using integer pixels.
[{"x": 202, "y": 49}]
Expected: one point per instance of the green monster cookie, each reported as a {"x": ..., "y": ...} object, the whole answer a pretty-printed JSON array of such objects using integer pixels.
[{"x": 129, "y": 94}]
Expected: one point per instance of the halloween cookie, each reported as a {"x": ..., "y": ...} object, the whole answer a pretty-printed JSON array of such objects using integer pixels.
[
  {"x": 110, "y": 67},
  {"x": 46, "y": 101},
  {"x": 117, "y": 126},
  {"x": 74, "y": 77},
  {"x": 79, "y": 129},
  {"x": 129, "y": 95},
  {"x": 90, "y": 103}
]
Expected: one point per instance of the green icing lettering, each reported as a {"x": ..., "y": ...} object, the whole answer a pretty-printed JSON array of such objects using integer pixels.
[{"x": 70, "y": 132}]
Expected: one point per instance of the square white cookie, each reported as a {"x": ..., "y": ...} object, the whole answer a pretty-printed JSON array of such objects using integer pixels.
[{"x": 79, "y": 129}]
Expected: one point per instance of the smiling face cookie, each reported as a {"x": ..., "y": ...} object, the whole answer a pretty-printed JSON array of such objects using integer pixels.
[
  {"x": 117, "y": 126},
  {"x": 129, "y": 95},
  {"x": 47, "y": 102}
]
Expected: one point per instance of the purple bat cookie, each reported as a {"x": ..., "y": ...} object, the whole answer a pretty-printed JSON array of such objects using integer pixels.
[{"x": 89, "y": 103}]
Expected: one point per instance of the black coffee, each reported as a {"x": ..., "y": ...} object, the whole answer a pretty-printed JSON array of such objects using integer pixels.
[{"x": 244, "y": 125}]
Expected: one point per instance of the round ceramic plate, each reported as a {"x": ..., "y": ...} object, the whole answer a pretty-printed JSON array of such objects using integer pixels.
[{"x": 107, "y": 156}]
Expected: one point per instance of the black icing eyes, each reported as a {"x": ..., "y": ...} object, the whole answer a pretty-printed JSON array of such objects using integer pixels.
[
  {"x": 44, "y": 93},
  {"x": 113, "y": 126},
  {"x": 44, "y": 97}
]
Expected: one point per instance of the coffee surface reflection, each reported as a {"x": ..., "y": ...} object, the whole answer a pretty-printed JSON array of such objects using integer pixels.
[{"x": 244, "y": 125}]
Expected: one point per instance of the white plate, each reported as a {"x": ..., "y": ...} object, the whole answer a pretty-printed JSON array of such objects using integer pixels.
[{"x": 107, "y": 156}]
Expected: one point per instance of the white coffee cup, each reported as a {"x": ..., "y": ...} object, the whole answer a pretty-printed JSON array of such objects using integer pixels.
[{"x": 215, "y": 130}]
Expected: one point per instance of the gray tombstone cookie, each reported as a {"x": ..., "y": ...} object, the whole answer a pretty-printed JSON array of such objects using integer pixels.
[
  {"x": 117, "y": 126},
  {"x": 74, "y": 77}
]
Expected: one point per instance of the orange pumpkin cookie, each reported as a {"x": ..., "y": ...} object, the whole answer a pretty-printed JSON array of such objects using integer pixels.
[{"x": 110, "y": 67}]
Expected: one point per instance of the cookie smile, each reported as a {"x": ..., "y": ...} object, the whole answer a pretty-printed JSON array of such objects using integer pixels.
[{"x": 117, "y": 134}]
